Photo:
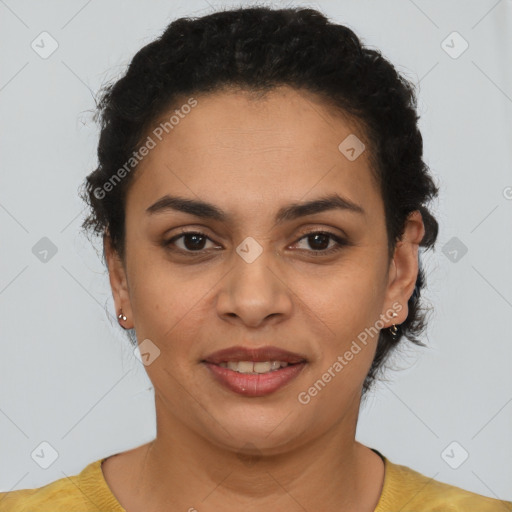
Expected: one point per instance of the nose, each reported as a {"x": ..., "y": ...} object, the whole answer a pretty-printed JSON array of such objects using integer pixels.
[{"x": 255, "y": 293}]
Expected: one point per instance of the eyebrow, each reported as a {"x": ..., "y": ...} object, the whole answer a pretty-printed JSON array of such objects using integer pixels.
[{"x": 289, "y": 212}]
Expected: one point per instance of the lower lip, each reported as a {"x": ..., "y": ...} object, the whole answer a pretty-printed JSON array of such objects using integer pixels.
[{"x": 249, "y": 384}]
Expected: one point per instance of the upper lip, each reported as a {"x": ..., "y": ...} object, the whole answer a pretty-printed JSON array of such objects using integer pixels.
[{"x": 266, "y": 353}]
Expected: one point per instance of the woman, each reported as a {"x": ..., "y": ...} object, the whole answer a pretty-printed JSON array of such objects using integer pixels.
[{"x": 262, "y": 199}]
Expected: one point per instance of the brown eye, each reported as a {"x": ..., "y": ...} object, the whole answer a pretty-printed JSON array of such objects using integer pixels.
[
  {"x": 318, "y": 242},
  {"x": 193, "y": 241}
]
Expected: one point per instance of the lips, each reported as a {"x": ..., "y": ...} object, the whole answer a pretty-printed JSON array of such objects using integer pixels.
[
  {"x": 267, "y": 353},
  {"x": 272, "y": 368}
]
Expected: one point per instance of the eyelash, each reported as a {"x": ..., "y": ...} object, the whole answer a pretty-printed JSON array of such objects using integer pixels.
[{"x": 340, "y": 243}]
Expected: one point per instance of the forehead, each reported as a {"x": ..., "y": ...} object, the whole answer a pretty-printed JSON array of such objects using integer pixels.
[{"x": 242, "y": 148}]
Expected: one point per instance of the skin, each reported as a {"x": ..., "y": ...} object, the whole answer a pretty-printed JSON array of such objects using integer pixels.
[{"x": 250, "y": 157}]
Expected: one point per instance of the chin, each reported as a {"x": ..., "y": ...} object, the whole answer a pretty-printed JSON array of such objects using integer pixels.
[{"x": 264, "y": 430}]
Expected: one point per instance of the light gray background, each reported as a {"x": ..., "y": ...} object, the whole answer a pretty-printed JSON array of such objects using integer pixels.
[{"x": 68, "y": 376}]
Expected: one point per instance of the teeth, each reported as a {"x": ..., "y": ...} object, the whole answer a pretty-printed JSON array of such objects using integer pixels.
[
  {"x": 262, "y": 367},
  {"x": 254, "y": 367},
  {"x": 245, "y": 367}
]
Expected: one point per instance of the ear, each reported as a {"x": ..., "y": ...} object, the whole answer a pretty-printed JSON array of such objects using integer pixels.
[
  {"x": 403, "y": 270},
  {"x": 118, "y": 282}
]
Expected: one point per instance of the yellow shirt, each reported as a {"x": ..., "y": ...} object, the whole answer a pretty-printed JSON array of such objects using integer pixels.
[{"x": 404, "y": 490}]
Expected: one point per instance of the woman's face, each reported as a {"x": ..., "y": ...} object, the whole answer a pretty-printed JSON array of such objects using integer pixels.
[{"x": 253, "y": 278}]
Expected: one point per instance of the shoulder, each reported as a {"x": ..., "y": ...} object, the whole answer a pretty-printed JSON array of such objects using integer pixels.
[
  {"x": 63, "y": 494},
  {"x": 407, "y": 489},
  {"x": 82, "y": 492}
]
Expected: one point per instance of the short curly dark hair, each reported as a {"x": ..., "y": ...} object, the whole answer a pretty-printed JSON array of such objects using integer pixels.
[{"x": 257, "y": 48}]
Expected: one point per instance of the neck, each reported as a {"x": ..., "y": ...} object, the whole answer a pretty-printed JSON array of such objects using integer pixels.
[{"x": 183, "y": 469}]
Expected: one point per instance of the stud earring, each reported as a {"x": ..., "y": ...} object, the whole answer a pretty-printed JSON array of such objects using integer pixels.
[{"x": 121, "y": 316}]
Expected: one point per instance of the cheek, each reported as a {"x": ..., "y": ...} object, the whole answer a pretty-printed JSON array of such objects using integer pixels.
[
  {"x": 349, "y": 304},
  {"x": 173, "y": 308},
  {"x": 161, "y": 296},
  {"x": 351, "y": 299},
  {"x": 163, "y": 313}
]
